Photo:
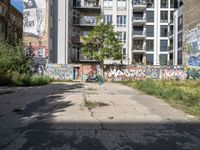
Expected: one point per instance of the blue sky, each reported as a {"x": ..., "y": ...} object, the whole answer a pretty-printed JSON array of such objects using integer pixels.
[{"x": 18, "y": 4}]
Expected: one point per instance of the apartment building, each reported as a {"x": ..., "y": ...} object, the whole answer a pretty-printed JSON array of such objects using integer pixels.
[
  {"x": 143, "y": 27},
  {"x": 11, "y": 23},
  {"x": 176, "y": 36}
]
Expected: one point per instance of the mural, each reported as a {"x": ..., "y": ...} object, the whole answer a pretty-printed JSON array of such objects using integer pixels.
[
  {"x": 34, "y": 17},
  {"x": 192, "y": 40}
]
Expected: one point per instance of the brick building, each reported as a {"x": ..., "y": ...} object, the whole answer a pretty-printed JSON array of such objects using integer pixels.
[
  {"x": 191, "y": 30},
  {"x": 11, "y": 22}
]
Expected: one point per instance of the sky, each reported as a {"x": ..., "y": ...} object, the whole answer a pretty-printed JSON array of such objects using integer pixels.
[{"x": 18, "y": 4}]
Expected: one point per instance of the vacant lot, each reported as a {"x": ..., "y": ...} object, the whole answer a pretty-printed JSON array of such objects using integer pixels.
[{"x": 86, "y": 116}]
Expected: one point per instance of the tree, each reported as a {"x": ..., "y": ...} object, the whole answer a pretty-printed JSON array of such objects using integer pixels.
[{"x": 102, "y": 43}]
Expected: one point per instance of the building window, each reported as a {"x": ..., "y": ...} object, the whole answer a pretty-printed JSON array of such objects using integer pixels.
[
  {"x": 122, "y": 37},
  {"x": 180, "y": 57},
  {"x": 121, "y": 21},
  {"x": 138, "y": 15},
  {"x": 180, "y": 23},
  {"x": 138, "y": 45},
  {"x": 2, "y": 10},
  {"x": 150, "y": 3},
  {"x": 123, "y": 51},
  {"x": 163, "y": 59},
  {"x": 121, "y": 4},
  {"x": 180, "y": 40},
  {"x": 164, "y": 3},
  {"x": 164, "y": 16},
  {"x": 138, "y": 30},
  {"x": 150, "y": 16},
  {"x": 149, "y": 59},
  {"x": 150, "y": 30},
  {"x": 107, "y": 19},
  {"x": 163, "y": 31},
  {"x": 171, "y": 15},
  {"x": 149, "y": 45},
  {"x": 108, "y": 4},
  {"x": 173, "y": 3},
  {"x": 163, "y": 45},
  {"x": 2, "y": 32}
]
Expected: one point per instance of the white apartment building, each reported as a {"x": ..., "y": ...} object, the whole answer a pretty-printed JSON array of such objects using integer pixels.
[{"x": 143, "y": 27}]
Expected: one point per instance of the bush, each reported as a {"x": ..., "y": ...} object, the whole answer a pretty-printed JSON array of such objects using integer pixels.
[{"x": 13, "y": 58}]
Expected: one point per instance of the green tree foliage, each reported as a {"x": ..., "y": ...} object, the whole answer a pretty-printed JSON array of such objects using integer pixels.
[
  {"x": 101, "y": 43},
  {"x": 13, "y": 58}
]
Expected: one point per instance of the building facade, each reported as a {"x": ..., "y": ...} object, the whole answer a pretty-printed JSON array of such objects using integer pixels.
[
  {"x": 11, "y": 23},
  {"x": 142, "y": 25}
]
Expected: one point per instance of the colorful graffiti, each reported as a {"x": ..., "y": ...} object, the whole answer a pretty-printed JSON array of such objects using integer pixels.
[
  {"x": 90, "y": 73},
  {"x": 93, "y": 72},
  {"x": 193, "y": 73},
  {"x": 192, "y": 39},
  {"x": 60, "y": 72},
  {"x": 119, "y": 73},
  {"x": 194, "y": 61},
  {"x": 173, "y": 73}
]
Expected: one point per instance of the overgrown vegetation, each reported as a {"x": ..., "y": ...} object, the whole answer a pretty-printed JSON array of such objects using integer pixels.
[
  {"x": 184, "y": 94},
  {"x": 90, "y": 104},
  {"x": 15, "y": 67}
]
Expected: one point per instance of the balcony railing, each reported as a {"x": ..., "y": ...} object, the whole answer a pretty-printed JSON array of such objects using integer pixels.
[
  {"x": 139, "y": 2},
  {"x": 87, "y": 4},
  {"x": 90, "y": 21},
  {"x": 139, "y": 34}
]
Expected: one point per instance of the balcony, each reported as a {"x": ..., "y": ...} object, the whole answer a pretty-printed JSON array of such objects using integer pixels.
[
  {"x": 138, "y": 21},
  {"x": 76, "y": 40},
  {"x": 139, "y": 5},
  {"x": 138, "y": 48},
  {"x": 139, "y": 34},
  {"x": 87, "y": 5},
  {"x": 86, "y": 21}
]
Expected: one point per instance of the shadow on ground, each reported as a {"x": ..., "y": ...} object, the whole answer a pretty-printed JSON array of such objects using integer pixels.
[{"x": 45, "y": 134}]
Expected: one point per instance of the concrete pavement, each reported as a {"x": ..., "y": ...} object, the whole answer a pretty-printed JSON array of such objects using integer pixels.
[{"x": 54, "y": 117}]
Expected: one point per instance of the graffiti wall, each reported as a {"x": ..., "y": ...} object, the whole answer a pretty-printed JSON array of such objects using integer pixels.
[
  {"x": 118, "y": 73},
  {"x": 192, "y": 39},
  {"x": 36, "y": 27},
  {"x": 60, "y": 72},
  {"x": 78, "y": 72}
]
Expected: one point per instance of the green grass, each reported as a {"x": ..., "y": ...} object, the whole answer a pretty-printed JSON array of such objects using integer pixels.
[
  {"x": 183, "y": 94},
  {"x": 90, "y": 104}
]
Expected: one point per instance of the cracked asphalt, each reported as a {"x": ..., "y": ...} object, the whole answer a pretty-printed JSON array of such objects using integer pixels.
[{"x": 54, "y": 117}]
